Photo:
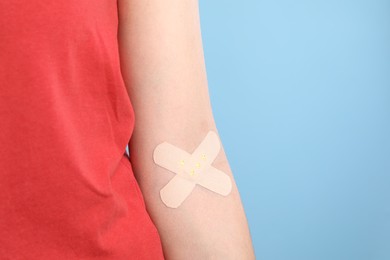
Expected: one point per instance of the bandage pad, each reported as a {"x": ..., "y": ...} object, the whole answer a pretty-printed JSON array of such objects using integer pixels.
[{"x": 191, "y": 170}]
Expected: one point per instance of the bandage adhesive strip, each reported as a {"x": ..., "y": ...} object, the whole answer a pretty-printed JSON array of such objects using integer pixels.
[{"x": 191, "y": 169}]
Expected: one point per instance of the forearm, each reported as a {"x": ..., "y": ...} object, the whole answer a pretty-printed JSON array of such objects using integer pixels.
[
  {"x": 164, "y": 70},
  {"x": 206, "y": 225}
]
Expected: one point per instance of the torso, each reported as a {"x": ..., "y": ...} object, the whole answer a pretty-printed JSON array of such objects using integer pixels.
[{"x": 67, "y": 187}]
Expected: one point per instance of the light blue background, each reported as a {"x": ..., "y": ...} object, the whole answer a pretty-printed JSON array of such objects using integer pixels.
[{"x": 301, "y": 97}]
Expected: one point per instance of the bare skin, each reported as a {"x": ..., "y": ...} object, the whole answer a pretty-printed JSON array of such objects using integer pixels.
[{"x": 164, "y": 71}]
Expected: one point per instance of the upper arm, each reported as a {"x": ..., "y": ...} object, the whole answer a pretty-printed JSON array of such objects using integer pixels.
[{"x": 162, "y": 59}]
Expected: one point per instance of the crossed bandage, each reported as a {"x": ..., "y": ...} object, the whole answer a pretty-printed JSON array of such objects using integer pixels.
[{"x": 191, "y": 169}]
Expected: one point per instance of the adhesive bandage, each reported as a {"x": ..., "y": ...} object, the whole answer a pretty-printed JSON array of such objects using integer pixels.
[{"x": 191, "y": 169}]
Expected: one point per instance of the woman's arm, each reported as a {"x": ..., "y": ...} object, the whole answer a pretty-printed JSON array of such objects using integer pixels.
[{"x": 164, "y": 71}]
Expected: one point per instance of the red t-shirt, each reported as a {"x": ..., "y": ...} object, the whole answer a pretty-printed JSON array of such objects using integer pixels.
[{"x": 67, "y": 189}]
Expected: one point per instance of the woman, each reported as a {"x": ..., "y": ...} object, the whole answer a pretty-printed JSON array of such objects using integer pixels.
[{"x": 79, "y": 81}]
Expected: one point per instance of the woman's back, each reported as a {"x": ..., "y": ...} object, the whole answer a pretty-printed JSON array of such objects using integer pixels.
[{"x": 67, "y": 186}]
